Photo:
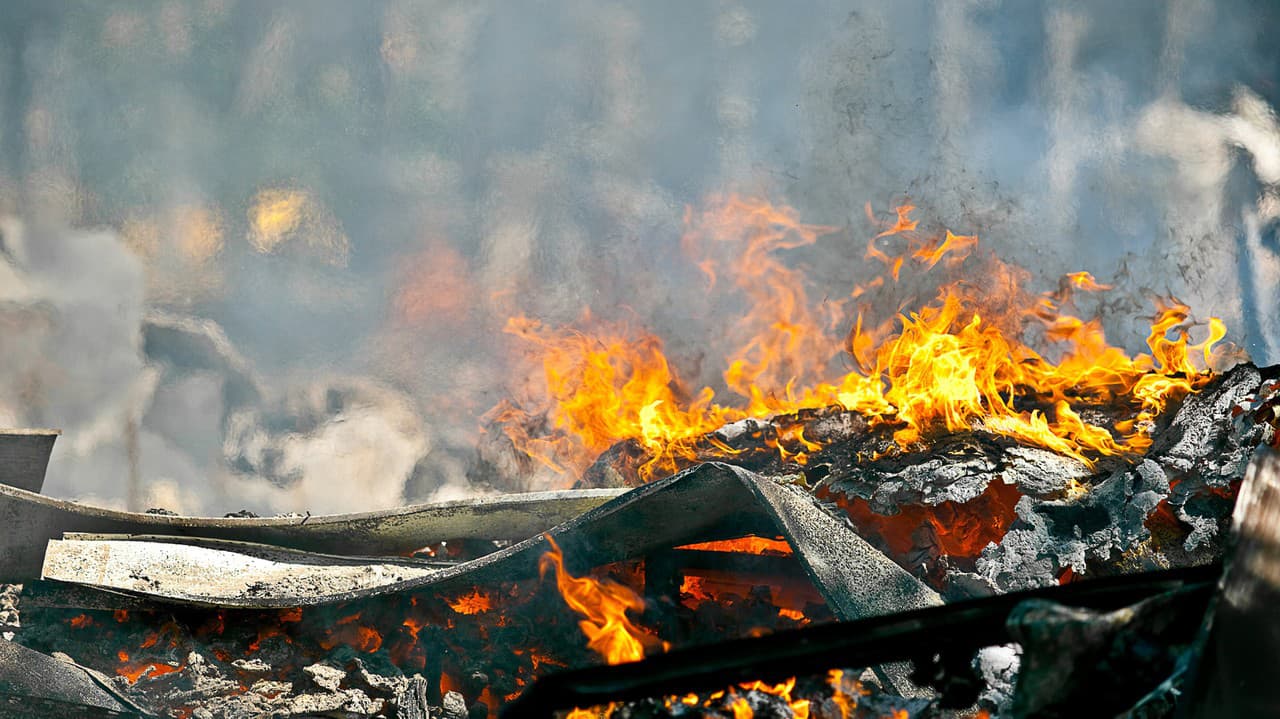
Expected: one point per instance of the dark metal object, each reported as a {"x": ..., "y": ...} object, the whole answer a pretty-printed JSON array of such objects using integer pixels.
[
  {"x": 963, "y": 626},
  {"x": 1237, "y": 672},
  {"x": 708, "y": 502},
  {"x": 29, "y": 520},
  {"x": 37, "y": 685},
  {"x": 24, "y": 456},
  {"x": 1118, "y": 655}
]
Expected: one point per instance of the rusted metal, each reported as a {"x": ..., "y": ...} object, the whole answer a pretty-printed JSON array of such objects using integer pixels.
[
  {"x": 24, "y": 456},
  {"x": 710, "y": 501},
  {"x": 29, "y": 520}
]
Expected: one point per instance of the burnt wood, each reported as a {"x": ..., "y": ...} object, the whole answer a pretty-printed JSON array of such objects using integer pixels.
[
  {"x": 24, "y": 456},
  {"x": 963, "y": 626},
  {"x": 1237, "y": 674}
]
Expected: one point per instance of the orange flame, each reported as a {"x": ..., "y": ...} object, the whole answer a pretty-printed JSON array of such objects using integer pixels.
[
  {"x": 132, "y": 672},
  {"x": 1084, "y": 281},
  {"x": 959, "y": 363},
  {"x": 476, "y": 602},
  {"x": 744, "y": 545},
  {"x": 603, "y": 606}
]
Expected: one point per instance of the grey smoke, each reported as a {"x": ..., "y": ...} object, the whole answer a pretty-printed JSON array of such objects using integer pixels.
[{"x": 537, "y": 158}]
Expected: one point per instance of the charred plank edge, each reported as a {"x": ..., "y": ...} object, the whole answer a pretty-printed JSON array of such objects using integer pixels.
[
  {"x": 1234, "y": 673},
  {"x": 28, "y": 520},
  {"x": 967, "y": 625},
  {"x": 24, "y": 456}
]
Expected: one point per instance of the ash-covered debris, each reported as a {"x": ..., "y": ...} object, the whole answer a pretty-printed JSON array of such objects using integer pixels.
[
  {"x": 10, "y": 618},
  {"x": 1189, "y": 469},
  {"x": 206, "y": 688}
]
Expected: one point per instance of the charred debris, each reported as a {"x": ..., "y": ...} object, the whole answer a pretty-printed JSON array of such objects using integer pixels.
[{"x": 973, "y": 576}]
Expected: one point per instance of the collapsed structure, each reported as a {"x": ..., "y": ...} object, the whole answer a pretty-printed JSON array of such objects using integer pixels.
[
  {"x": 956, "y": 524},
  {"x": 242, "y": 616}
]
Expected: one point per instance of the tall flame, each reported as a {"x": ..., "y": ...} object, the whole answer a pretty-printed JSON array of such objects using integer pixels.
[{"x": 963, "y": 361}]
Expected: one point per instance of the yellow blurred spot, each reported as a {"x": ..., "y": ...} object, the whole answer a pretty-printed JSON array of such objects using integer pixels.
[
  {"x": 273, "y": 215},
  {"x": 282, "y": 216}
]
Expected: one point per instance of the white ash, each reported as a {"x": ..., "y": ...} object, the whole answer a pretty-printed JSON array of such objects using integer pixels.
[
  {"x": 325, "y": 676},
  {"x": 999, "y": 669}
]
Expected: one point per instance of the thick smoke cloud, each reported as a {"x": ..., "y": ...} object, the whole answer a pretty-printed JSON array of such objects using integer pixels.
[{"x": 261, "y": 254}]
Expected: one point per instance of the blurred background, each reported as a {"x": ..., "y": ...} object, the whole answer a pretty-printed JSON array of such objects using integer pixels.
[{"x": 260, "y": 254}]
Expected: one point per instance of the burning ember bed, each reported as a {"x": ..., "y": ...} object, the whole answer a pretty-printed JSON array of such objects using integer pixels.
[{"x": 937, "y": 520}]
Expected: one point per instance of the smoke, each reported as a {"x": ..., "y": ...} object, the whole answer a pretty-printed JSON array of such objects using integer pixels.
[{"x": 267, "y": 249}]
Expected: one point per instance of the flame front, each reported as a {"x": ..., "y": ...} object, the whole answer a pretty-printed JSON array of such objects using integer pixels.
[{"x": 962, "y": 361}]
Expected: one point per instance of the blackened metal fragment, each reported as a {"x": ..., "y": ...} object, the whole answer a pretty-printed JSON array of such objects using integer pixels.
[
  {"x": 1119, "y": 655},
  {"x": 1237, "y": 672}
]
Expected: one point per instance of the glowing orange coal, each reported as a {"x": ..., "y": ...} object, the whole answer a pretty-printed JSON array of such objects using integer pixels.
[
  {"x": 475, "y": 602},
  {"x": 744, "y": 545},
  {"x": 133, "y": 671},
  {"x": 962, "y": 361}
]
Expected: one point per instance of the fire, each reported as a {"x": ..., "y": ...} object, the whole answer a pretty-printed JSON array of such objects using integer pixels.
[
  {"x": 350, "y": 632},
  {"x": 614, "y": 385},
  {"x": 845, "y": 692},
  {"x": 963, "y": 361},
  {"x": 603, "y": 606},
  {"x": 744, "y": 545},
  {"x": 612, "y": 635},
  {"x": 476, "y": 602},
  {"x": 728, "y": 701},
  {"x": 132, "y": 672},
  {"x": 1085, "y": 281}
]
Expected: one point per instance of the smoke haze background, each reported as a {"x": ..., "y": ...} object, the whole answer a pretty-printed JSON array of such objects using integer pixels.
[{"x": 443, "y": 165}]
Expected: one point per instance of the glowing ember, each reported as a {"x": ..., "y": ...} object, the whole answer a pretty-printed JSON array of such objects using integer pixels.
[
  {"x": 961, "y": 362},
  {"x": 132, "y": 672},
  {"x": 350, "y": 632},
  {"x": 744, "y": 545},
  {"x": 474, "y": 603}
]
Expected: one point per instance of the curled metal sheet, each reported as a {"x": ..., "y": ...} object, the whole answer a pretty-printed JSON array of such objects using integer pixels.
[
  {"x": 710, "y": 501},
  {"x": 29, "y": 520}
]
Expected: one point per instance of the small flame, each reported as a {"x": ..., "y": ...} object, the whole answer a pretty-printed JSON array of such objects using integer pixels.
[
  {"x": 1085, "y": 281},
  {"x": 476, "y": 602},
  {"x": 603, "y": 606}
]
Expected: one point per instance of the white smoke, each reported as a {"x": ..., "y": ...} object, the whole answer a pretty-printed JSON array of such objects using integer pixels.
[{"x": 465, "y": 161}]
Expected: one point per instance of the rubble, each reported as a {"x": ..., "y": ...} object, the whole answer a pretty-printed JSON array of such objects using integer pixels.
[{"x": 865, "y": 530}]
